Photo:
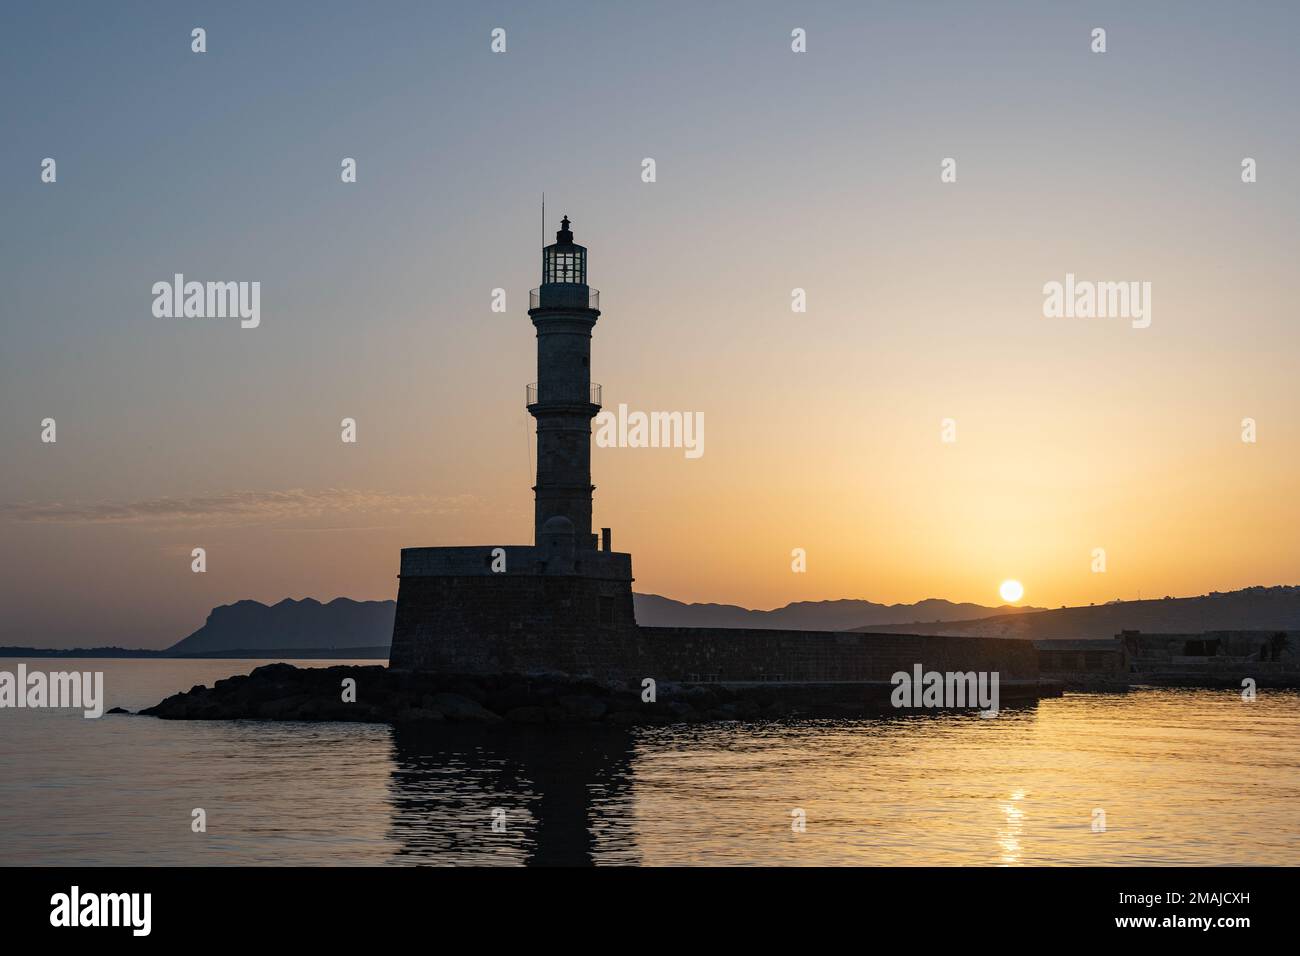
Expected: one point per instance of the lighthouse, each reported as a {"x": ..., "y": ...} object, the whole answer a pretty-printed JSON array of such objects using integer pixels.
[
  {"x": 562, "y": 604},
  {"x": 564, "y": 400}
]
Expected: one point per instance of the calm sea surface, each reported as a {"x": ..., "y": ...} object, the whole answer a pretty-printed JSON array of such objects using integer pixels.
[{"x": 1184, "y": 777}]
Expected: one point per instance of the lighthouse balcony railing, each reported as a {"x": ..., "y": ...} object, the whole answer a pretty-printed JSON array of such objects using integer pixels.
[
  {"x": 558, "y": 396},
  {"x": 563, "y": 295}
]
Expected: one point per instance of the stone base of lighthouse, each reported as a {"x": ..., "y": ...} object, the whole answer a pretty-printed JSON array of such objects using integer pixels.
[{"x": 547, "y": 612}]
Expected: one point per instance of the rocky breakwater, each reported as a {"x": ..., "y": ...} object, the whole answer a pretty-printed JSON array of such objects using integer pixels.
[
  {"x": 285, "y": 692},
  {"x": 378, "y": 694}
]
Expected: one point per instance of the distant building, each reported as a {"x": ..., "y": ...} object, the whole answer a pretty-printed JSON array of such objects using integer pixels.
[
  {"x": 1211, "y": 651},
  {"x": 1080, "y": 660},
  {"x": 1210, "y": 657}
]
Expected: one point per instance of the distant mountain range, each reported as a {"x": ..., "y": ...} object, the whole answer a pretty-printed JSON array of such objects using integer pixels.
[
  {"x": 344, "y": 624},
  {"x": 655, "y": 611},
  {"x": 1250, "y": 609},
  {"x": 292, "y": 625},
  {"x": 344, "y": 628}
]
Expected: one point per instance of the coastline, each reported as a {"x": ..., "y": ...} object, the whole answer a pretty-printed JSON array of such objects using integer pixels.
[
  {"x": 379, "y": 652},
  {"x": 381, "y": 695}
]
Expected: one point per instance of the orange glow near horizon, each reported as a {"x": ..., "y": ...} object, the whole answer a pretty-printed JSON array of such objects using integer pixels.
[{"x": 824, "y": 429}]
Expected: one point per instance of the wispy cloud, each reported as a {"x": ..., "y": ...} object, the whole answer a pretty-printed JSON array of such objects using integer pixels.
[{"x": 240, "y": 507}]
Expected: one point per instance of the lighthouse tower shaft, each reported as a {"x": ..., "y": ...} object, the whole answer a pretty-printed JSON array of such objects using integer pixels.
[{"x": 564, "y": 310}]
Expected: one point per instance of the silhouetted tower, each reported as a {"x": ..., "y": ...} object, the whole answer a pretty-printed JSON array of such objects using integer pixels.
[{"x": 563, "y": 399}]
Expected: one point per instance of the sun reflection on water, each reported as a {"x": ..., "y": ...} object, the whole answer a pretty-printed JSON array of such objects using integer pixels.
[{"x": 1013, "y": 824}]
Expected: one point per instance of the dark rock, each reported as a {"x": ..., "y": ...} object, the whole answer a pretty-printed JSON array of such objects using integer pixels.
[
  {"x": 284, "y": 692},
  {"x": 475, "y": 692},
  {"x": 697, "y": 694},
  {"x": 119, "y": 710},
  {"x": 526, "y": 715},
  {"x": 421, "y": 714},
  {"x": 459, "y": 707},
  {"x": 583, "y": 706},
  {"x": 273, "y": 671},
  {"x": 682, "y": 710},
  {"x": 283, "y": 708},
  {"x": 511, "y": 697},
  {"x": 558, "y": 715}
]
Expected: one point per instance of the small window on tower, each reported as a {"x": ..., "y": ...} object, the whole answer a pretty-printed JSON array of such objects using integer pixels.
[{"x": 606, "y": 611}]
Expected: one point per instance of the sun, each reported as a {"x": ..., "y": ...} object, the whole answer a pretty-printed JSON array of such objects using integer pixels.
[{"x": 1011, "y": 591}]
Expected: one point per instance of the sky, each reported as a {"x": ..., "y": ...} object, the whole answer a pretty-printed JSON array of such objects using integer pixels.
[{"x": 774, "y": 171}]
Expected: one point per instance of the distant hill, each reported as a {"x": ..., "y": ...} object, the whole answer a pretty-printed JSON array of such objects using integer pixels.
[
  {"x": 73, "y": 652},
  {"x": 655, "y": 611},
  {"x": 1250, "y": 609},
  {"x": 344, "y": 628},
  {"x": 373, "y": 652},
  {"x": 292, "y": 625},
  {"x": 344, "y": 625}
]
